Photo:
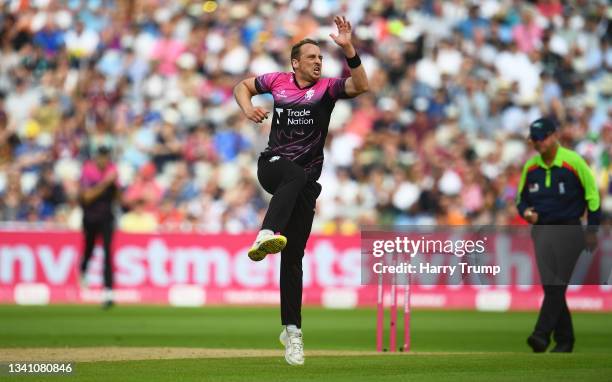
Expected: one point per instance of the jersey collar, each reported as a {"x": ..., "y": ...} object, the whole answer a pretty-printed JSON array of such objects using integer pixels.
[
  {"x": 298, "y": 85},
  {"x": 558, "y": 161}
]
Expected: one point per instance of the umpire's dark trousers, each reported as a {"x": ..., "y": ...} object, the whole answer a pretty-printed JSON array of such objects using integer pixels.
[
  {"x": 92, "y": 230},
  {"x": 291, "y": 212},
  {"x": 557, "y": 248}
]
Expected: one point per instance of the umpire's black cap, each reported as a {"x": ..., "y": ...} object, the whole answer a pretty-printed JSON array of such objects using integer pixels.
[{"x": 541, "y": 128}]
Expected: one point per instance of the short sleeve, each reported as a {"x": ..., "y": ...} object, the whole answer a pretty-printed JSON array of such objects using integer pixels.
[
  {"x": 336, "y": 88},
  {"x": 265, "y": 82},
  {"x": 87, "y": 175}
]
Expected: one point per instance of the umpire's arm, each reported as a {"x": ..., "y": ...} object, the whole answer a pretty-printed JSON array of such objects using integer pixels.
[
  {"x": 591, "y": 194},
  {"x": 522, "y": 196}
]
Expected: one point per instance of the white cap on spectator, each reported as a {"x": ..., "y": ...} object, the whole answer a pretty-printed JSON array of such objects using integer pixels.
[
  {"x": 451, "y": 112},
  {"x": 38, "y": 21},
  {"x": 186, "y": 61},
  {"x": 406, "y": 195},
  {"x": 410, "y": 33},
  {"x": 215, "y": 42},
  {"x": 558, "y": 45},
  {"x": 40, "y": 3},
  {"x": 239, "y": 11},
  {"x": 526, "y": 99},
  {"x": 195, "y": 9},
  {"x": 450, "y": 183},
  {"x": 28, "y": 181},
  {"x": 171, "y": 116},
  {"x": 68, "y": 169},
  {"x": 421, "y": 104},
  {"x": 264, "y": 63},
  {"x": 606, "y": 85},
  {"x": 190, "y": 109},
  {"x": 365, "y": 32},
  {"x": 387, "y": 104},
  {"x": 63, "y": 18},
  {"x": 163, "y": 15},
  {"x": 154, "y": 86},
  {"x": 513, "y": 149}
]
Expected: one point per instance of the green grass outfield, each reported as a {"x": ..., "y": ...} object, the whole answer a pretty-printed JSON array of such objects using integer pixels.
[{"x": 470, "y": 346}]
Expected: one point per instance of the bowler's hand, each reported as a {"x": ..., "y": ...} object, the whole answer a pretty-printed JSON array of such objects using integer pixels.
[
  {"x": 256, "y": 114},
  {"x": 530, "y": 215},
  {"x": 343, "y": 38},
  {"x": 591, "y": 241}
]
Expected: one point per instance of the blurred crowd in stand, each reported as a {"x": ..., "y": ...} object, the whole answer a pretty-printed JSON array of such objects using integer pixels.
[{"x": 439, "y": 139}]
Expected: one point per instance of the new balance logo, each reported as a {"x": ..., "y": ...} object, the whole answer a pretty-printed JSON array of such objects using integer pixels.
[
  {"x": 309, "y": 94},
  {"x": 274, "y": 159}
]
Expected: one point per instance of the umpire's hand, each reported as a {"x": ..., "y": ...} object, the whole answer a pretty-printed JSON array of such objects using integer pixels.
[{"x": 530, "y": 215}]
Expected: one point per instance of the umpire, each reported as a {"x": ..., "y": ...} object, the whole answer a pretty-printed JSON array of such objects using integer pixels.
[{"x": 555, "y": 189}]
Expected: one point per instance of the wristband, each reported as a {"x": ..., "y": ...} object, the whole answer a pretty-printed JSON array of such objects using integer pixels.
[{"x": 354, "y": 61}]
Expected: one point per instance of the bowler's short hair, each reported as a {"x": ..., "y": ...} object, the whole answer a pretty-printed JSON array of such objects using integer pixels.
[{"x": 295, "y": 49}]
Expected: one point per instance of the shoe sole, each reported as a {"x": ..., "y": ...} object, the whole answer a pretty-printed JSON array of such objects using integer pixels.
[
  {"x": 562, "y": 349},
  {"x": 268, "y": 247},
  {"x": 293, "y": 363}
]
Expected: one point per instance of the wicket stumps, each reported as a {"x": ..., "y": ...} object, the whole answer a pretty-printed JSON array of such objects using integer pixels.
[{"x": 380, "y": 317}]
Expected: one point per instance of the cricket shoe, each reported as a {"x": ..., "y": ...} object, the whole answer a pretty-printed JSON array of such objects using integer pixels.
[
  {"x": 107, "y": 299},
  {"x": 266, "y": 244},
  {"x": 563, "y": 348},
  {"x": 83, "y": 282},
  {"x": 537, "y": 343},
  {"x": 294, "y": 346}
]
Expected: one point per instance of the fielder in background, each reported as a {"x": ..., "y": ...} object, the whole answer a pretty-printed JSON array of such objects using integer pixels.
[
  {"x": 98, "y": 191},
  {"x": 556, "y": 188},
  {"x": 291, "y": 164}
]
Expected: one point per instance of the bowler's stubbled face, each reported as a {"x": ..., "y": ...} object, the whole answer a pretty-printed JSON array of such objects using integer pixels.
[{"x": 310, "y": 62}]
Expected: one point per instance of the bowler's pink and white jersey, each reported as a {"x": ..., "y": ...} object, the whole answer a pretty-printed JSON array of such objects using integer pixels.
[{"x": 300, "y": 118}]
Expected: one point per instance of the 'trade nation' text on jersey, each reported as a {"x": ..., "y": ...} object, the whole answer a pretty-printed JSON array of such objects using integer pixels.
[{"x": 300, "y": 118}]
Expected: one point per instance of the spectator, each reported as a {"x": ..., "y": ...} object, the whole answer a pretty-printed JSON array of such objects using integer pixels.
[
  {"x": 199, "y": 146},
  {"x": 29, "y": 155},
  {"x": 167, "y": 50},
  {"x": 138, "y": 219},
  {"x": 8, "y": 141},
  {"x": 49, "y": 38},
  {"x": 21, "y": 102},
  {"x": 167, "y": 147},
  {"x": 472, "y": 22},
  {"x": 527, "y": 34},
  {"x": 145, "y": 187},
  {"x": 81, "y": 42}
]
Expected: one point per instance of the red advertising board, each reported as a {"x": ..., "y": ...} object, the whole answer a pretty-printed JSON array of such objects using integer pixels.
[{"x": 39, "y": 267}]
